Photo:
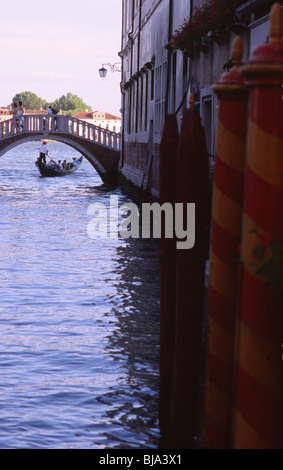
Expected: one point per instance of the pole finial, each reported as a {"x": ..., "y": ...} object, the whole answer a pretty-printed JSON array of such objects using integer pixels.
[
  {"x": 276, "y": 26},
  {"x": 192, "y": 100},
  {"x": 237, "y": 53}
]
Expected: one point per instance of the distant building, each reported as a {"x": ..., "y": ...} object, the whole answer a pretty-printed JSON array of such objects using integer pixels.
[
  {"x": 5, "y": 113},
  {"x": 101, "y": 119},
  {"x": 5, "y": 109},
  {"x": 35, "y": 112}
]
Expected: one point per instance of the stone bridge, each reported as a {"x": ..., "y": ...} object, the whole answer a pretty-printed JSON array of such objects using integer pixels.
[{"x": 99, "y": 146}]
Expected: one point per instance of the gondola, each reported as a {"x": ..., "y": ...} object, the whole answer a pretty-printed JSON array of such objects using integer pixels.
[{"x": 50, "y": 170}]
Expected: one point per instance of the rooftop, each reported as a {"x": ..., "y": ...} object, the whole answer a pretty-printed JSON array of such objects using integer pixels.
[{"x": 89, "y": 115}]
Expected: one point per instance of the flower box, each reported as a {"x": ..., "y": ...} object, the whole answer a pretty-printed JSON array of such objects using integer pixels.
[{"x": 210, "y": 21}]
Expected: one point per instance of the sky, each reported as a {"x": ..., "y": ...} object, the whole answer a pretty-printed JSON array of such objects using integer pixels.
[{"x": 55, "y": 47}]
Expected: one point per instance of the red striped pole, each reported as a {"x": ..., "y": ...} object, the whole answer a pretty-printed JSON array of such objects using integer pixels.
[
  {"x": 167, "y": 257},
  {"x": 224, "y": 254},
  {"x": 258, "y": 420}
]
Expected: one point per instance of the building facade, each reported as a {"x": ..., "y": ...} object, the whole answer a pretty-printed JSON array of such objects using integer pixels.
[
  {"x": 157, "y": 78},
  {"x": 153, "y": 84}
]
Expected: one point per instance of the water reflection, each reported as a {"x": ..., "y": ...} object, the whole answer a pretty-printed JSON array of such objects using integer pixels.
[{"x": 136, "y": 342}]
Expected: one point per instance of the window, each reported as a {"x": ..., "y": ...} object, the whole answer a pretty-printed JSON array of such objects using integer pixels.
[
  {"x": 174, "y": 77},
  {"x": 130, "y": 110},
  {"x": 141, "y": 103},
  {"x": 146, "y": 105},
  {"x": 137, "y": 105},
  {"x": 152, "y": 85},
  {"x": 160, "y": 95},
  {"x": 206, "y": 113},
  {"x": 207, "y": 117},
  {"x": 125, "y": 15},
  {"x": 185, "y": 76}
]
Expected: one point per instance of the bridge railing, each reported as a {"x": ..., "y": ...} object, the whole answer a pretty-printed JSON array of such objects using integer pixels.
[{"x": 42, "y": 123}]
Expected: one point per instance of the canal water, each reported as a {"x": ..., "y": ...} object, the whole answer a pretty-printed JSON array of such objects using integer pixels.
[{"x": 79, "y": 317}]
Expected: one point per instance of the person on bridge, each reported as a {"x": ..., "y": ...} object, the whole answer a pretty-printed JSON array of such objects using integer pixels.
[
  {"x": 21, "y": 115},
  {"x": 15, "y": 122},
  {"x": 53, "y": 112},
  {"x": 43, "y": 151}
]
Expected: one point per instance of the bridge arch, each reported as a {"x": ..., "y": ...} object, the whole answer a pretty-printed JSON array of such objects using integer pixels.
[{"x": 99, "y": 146}]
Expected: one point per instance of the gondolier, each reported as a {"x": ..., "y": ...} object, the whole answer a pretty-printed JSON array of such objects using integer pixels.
[{"x": 43, "y": 151}]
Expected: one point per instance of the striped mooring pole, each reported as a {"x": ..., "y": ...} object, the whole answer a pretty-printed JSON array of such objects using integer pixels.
[
  {"x": 258, "y": 415},
  {"x": 226, "y": 229}
]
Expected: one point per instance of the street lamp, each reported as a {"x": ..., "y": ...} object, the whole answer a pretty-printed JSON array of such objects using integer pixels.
[{"x": 113, "y": 67}]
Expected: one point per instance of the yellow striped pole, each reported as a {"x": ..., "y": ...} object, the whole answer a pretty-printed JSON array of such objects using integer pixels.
[
  {"x": 258, "y": 417},
  {"x": 224, "y": 253}
]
